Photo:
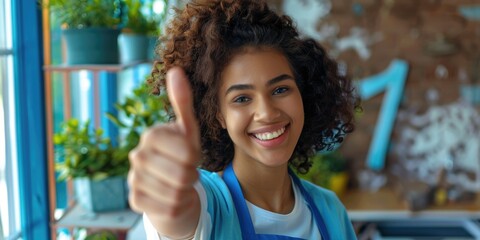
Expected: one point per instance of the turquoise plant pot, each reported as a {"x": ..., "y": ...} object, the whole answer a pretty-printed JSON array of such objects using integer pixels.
[
  {"x": 91, "y": 46},
  {"x": 133, "y": 47},
  {"x": 101, "y": 196}
]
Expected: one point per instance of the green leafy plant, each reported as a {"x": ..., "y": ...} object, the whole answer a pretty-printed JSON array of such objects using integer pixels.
[
  {"x": 86, "y": 153},
  {"x": 102, "y": 235},
  {"x": 157, "y": 18},
  {"x": 153, "y": 26},
  {"x": 325, "y": 165},
  {"x": 138, "y": 112},
  {"x": 85, "y": 13},
  {"x": 136, "y": 21}
]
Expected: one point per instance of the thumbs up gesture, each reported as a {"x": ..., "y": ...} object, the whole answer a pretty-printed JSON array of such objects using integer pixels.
[{"x": 164, "y": 166}]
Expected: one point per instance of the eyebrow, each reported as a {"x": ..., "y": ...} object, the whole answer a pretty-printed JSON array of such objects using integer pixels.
[{"x": 249, "y": 86}]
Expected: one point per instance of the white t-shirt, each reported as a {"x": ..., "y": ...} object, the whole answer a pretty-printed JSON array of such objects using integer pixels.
[{"x": 298, "y": 223}]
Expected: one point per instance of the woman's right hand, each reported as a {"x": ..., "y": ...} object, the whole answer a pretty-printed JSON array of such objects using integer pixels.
[{"x": 164, "y": 166}]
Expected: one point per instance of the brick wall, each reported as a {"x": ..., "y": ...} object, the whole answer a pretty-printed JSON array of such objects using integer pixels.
[{"x": 408, "y": 28}]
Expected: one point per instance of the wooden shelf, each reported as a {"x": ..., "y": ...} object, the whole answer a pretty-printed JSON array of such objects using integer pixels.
[
  {"x": 93, "y": 67},
  {"x": 116, "y": 220},
  {"x": 76, "y": 217},
  {"x": 386, "y": 205}
]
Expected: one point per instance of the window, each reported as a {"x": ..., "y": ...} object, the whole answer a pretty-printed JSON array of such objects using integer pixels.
[{"x": 9, "y": 194}]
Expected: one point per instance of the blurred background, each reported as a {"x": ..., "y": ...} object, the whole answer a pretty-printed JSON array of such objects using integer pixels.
[{"x": 69, "y": 113}]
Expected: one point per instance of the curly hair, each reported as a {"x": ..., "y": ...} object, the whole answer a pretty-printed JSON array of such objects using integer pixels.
[{"x": 205, "y": 35}]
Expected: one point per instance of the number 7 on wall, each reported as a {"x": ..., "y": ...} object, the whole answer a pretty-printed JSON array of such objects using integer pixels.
[{"x": 392, "y": 81}]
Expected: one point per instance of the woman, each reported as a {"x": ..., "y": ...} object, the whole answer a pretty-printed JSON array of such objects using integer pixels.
[{"x": 251, "y": 101}]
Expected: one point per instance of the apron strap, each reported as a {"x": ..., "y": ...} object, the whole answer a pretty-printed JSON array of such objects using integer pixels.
[
  {"x": 311, "y": 204},
  {"x": 246, "y": 225},
  {"x": 243, "y": 214}
]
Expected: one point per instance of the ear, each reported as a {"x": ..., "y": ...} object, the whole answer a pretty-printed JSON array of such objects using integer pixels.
[{"x": 221, "y": 120}]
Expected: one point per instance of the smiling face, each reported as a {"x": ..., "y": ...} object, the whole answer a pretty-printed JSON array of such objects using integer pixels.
[{"x": 261, "y": 107}]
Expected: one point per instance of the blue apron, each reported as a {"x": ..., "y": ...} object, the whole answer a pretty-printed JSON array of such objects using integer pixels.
[{"x": 246, "y": 225}]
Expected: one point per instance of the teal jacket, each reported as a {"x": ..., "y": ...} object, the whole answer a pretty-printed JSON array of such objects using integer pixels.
[{"x": 224, "y": 218}]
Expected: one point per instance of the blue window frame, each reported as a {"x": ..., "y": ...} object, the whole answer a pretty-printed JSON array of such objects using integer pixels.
[{"x": 30, "y": 119}]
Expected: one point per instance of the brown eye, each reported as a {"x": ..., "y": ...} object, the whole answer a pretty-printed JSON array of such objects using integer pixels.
[{"x": 241, "y": 99}]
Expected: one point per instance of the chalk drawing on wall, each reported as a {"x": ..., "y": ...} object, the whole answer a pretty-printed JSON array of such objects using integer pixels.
[
  {"x": 444, "y": 137},
  {"x": 307, "y": 14},
  {"x": 359, "y": 40}
]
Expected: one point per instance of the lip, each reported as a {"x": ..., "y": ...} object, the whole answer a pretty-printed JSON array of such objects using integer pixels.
[{"x": 273, "y": 142}]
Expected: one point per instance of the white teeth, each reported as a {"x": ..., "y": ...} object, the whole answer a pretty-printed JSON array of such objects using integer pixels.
[{"x": 270, "y": 135}]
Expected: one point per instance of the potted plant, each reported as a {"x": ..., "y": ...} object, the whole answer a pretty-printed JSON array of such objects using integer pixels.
[
  {"x": 139, "y": 25},
  {"x": 92, "y": 161},
  {"x": 89, "y": 29},
  {"x": 329, "y": 170},
  {"x": 97, "y": 170},
  {"x": 133, "y": 41},
  {"x": 156, "y": 21}
]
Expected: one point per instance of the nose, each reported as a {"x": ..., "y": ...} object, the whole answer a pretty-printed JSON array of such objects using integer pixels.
[{"x": 266, "y": 110}]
